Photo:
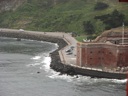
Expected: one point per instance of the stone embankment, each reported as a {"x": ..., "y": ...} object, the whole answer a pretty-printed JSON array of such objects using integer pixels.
[{"x": 56, "y": 63}]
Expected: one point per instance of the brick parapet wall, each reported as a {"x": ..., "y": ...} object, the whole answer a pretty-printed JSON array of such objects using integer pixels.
[{"x": 113, "y": 33}]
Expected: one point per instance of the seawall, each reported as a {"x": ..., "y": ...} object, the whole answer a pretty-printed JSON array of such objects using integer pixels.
[
  {"x": 66, "y": 67},
  {"x": 56, "y": 63}
]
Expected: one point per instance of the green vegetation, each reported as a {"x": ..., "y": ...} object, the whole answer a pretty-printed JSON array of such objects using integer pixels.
[
  {"x": 88, "y": 27},
  {"x": 112, "y": 20},
  {"x": 65, "y": 15},
  {"x": 100, "y": 6},
  {"x": 80, "y": 38}
]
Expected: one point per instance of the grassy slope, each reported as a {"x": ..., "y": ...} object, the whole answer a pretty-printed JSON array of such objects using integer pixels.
[{"x": 68, "y": 16}]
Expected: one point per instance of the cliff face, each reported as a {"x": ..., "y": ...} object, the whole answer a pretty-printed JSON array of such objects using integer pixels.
[{"x": 6, "y": 5}]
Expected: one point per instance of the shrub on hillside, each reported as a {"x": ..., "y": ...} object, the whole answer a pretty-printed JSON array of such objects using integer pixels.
[
  {"x": 100, "y": 6},
  {"x": 112, "y": 20},
  {"x": 88, "y": 27}
]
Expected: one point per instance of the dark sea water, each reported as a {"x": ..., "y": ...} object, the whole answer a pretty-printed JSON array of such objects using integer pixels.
[{"x": 25, "y": 71}]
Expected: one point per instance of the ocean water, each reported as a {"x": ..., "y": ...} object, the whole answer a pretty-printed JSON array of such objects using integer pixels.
[{"x": 25, "y": 71}]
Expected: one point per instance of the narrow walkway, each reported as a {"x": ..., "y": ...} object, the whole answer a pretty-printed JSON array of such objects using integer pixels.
[{"x": 66, "y": 58}]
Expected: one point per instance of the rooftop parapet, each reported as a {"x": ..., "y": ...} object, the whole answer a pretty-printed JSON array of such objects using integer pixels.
[{"x": 113, "y": 35}]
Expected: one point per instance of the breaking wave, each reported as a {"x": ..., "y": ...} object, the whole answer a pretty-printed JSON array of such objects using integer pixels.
[
  {"x": 85, "y": 79},
  {"x": 44, "y": 60}
]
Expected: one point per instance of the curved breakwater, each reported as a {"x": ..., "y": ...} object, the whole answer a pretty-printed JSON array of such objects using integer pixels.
[
  {"x": 56, "y": 62},
  {"x": 42, "y": 36}
]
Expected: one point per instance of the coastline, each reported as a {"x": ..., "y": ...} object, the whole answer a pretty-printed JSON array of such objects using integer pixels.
[
  {"x": 58, "y": 60},
  {"x": 56, "y": 63}
]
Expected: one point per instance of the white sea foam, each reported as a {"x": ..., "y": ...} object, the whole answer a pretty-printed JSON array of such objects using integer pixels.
[
  {"x": 119, "y": 81},
  {"x": 44, "y": 60},
  {"x": 53, "y": 74},
  {"x": 36, "y": 60},
  {"x": 101, "y": 80},
  {"x": 47, "y": 60},
  {"x": 85, "y": 79},
  {"x": 46, "y": 64},
  {"x": 56, "y": 75},
  {"x": 56, "y": 45},
  {"x": 35, "y": 64},
  {"x": 75, "y": 79},
  {"x": 113, "y": 80},
  {"x": 36, "y": 57}
]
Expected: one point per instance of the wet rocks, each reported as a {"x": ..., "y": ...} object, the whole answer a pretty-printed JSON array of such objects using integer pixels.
[{"x": 56, "y": 63}]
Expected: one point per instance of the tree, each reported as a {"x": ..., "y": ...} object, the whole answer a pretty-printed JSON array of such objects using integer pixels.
[
  {"x": 88, "y": 27},
  {"x": 112, "y": 20},
  {"x": 100, "y": 6}
]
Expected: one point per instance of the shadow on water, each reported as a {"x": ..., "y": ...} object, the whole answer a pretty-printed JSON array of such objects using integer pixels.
[{"x": 24, "y": 46}]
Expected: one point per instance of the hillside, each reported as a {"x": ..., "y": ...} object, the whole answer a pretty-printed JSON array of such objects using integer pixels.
[
  {"x": 63, "y": 15},
  {"x": 6, "y": 5}
]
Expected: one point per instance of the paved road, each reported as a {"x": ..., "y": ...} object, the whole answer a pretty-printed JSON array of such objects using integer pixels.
[{"x": 66, "y": 58}]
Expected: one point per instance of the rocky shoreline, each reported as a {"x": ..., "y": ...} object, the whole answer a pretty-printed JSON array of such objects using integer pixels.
[{"x": 56, "y": 63}]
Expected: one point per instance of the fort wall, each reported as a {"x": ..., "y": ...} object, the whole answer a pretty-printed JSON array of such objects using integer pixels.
[{"x": 102, "y": 55}]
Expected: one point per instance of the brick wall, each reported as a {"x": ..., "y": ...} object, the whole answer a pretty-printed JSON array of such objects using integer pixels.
[{"x": 101, "y": 55}]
